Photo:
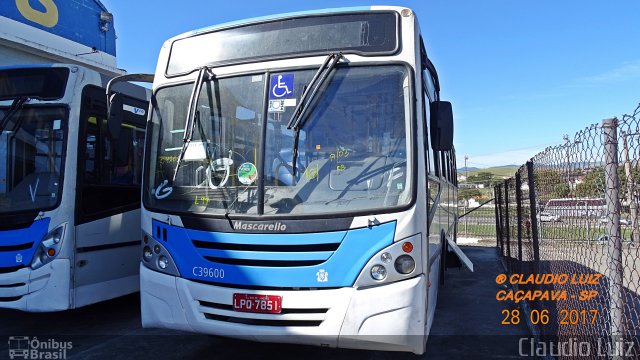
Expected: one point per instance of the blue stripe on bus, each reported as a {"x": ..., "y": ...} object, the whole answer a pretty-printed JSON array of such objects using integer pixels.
[
  {"x": 33, "y": 234},
  {"x": 341, "y": 266},
  {"x": 280, "y": 16}
]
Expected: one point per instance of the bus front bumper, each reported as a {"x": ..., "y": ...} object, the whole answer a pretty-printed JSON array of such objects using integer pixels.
[
  {"x": 389, "y": 317},
  {"x": 41, "y": 290}
]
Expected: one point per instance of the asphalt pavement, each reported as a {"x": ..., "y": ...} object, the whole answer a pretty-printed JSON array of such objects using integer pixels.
[{"x": 467, "y": 325}]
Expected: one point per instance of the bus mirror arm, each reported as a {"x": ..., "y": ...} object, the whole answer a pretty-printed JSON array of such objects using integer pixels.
[
  {"x": 441, "y": 126},
  {"x": 115, "y": 101}
]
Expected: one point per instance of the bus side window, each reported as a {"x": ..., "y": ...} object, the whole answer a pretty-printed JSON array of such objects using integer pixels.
[
  {"x": 445, "y": 165},
  {"x": 110, "y": 170},
  {"x": 90, "y": 168}
]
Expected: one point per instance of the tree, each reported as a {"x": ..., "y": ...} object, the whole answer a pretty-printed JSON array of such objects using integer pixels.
[{"x": 466, "y": 194}]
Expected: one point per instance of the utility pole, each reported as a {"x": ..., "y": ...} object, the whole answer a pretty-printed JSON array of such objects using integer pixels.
[{"x": 466, "y": 169}]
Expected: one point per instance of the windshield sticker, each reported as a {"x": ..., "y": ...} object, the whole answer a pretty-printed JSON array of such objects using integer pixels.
[
  {"x": 290, "y": 102},
  {"x": 133, "y": 109},
  {"x": 281, "y": 86},
  {"x": 256, "y": 78},
  {"x": 247, "y": 173},
  {"x": 276, "y": 106},
  {"x": 162, "y": 191},
  {"x": 56, "y": 124}
]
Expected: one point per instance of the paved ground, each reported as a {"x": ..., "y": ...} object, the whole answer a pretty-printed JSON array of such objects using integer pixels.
[{"x": 466, "y": 326}]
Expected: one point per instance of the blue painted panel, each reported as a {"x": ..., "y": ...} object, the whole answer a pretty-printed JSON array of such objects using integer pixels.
[
  {"x": 35, "y": 233},
  {"x": 341, "y": 269},
  {"x": 75, "y": 20}
]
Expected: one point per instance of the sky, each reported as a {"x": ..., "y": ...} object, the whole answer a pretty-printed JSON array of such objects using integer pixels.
[{"x": 519, "y": 73}]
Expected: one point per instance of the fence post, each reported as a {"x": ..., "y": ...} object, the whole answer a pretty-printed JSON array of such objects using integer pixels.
[
  {"x": 519, "y": 213},
  {"x": 499, "y": 231},
  {"x": 534, "y": 216},
  {"x": 495, "y": 206},
  {"x": 614, "y": 245},
  {"x": 506, "y": 222}
]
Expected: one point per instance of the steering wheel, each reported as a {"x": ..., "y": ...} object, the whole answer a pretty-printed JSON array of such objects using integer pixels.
[{"x": 220, "y": 165}]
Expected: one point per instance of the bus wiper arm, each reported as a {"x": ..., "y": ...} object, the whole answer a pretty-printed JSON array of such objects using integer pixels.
[
  {"x": 192, "y": 113},
  {"x": 13, "y": 109},
  {"x": 310, "y": 93},
  {"x": 299, "y": 115}
]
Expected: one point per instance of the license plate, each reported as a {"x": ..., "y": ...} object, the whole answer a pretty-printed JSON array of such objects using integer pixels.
[{"x": 255, "y": 303}]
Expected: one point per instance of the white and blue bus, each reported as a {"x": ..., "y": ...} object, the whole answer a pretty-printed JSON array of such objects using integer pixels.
[
  {"x": 290, "y": 192},
  {"x": 69, "y": 188}
]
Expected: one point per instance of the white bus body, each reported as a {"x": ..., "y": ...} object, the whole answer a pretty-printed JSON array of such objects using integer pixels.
[
  {"x": 247, "y": 237},
  {"x": 69, "y": 200}
]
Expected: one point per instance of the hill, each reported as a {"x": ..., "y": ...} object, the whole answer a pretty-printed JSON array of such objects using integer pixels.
[{"x": 497, "y": 171}]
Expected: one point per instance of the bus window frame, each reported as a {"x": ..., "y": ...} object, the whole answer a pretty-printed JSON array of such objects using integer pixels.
[
  {"x": 262, "y": 71},
  {"x": 59, "y": 195}
]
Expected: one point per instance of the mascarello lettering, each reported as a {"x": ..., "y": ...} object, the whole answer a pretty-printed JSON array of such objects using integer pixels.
[{"x": 278, "y": 226}]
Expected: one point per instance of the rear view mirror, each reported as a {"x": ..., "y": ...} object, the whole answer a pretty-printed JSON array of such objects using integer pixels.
[
  {"x": 441, "y": 126},
  {"x": 115, "y": 113}
]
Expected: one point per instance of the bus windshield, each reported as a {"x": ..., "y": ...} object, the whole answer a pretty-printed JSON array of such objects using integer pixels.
[
  {"x": 31, "y": 158},
  {"x": 351, "y": 151}
]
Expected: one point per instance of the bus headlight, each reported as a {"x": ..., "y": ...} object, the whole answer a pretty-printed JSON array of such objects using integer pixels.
[
  {"x": 163, "y": 262},
  {"x": 405, "y": 264},
  {"x": 393, "y": 263},
  {"x": 378, "y": 272},
  {"x": 49, "y": 247},
  {"x": 147, "y": 255},
  {"x": 156, "y": 257}
]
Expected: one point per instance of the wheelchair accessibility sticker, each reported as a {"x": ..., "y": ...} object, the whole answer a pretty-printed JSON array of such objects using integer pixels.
[{"x": 281, "y": 86}]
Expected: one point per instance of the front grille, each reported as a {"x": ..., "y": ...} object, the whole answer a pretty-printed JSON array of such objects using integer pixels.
[
  {"x": 263, "y": 322},
  {"x": 265, "y": 255},
  {"x": 16, "y": 247},
  {"x": 258, "y": 287},
  {"x": 283, "y": 312},
  {"x": 220, "y": 312},
  {"x": 267, "y": 263},
  {"x": 10, "y": 299},
  {"x": 6, "y": 270},
  {"x": 262, "y": 247},
  {"x": 11, "y": 285}
]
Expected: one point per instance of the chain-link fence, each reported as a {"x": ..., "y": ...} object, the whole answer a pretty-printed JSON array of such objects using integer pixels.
[
  {"x": 477, "y": 223},
  {"x": 568, "y": 231}
]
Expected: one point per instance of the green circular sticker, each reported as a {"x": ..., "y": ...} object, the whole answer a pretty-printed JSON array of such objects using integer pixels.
[{"x": 247, "y": 173}]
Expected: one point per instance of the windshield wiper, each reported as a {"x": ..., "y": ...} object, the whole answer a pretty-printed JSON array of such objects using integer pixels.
[
  {"x": 310, "y": 93},
  {"x": 16, "y": 105},
  {"x": 192, "y": 114}
]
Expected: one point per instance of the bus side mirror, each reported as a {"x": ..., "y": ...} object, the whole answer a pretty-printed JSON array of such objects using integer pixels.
[
  {"x": 441, "y": 126},
  {"x": 114, "y": 114}
]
